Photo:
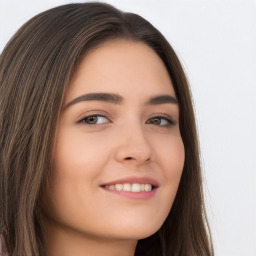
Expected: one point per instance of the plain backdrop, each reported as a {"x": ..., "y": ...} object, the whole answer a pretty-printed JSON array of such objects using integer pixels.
[{"x": 215, "y": 41}]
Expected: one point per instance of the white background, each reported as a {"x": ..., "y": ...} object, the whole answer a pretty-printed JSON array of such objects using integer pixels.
[{"x": 216, "y": 42}]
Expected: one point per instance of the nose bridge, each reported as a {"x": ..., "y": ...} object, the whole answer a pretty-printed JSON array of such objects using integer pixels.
[{"x": 133, "y": 145}]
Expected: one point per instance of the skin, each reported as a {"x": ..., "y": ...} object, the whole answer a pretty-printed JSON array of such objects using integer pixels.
[{"x": 80, "y": 217}]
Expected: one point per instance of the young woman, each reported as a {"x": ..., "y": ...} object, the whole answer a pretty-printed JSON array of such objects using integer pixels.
[{"x": 99, "y": 151}]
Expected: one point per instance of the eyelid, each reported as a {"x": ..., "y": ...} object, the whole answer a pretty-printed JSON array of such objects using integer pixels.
[
  {"x": 93, "y": 113},
  {"x": 172, "y": 122},
  {"x": 81, "y": 120}
]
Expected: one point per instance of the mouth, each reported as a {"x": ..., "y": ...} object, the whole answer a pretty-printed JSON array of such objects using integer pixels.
[
  {"x": 130, "y": 187},
  {"x": 133, "y": 187}
]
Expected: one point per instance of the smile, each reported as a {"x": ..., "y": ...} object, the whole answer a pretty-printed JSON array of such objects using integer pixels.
[{"x": 135, "y": 187}]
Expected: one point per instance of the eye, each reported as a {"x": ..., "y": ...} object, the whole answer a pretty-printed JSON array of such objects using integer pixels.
[
  {"x": 99, "y": 119},
  {"x": 93, "y": 120},
  {"x": 161, "y": 121}
]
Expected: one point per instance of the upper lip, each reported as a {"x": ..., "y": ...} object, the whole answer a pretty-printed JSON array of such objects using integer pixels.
[{"x": 132, "y": 180}]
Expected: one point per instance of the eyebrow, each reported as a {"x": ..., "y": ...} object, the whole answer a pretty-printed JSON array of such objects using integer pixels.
[{"x": 119, "y": 100}]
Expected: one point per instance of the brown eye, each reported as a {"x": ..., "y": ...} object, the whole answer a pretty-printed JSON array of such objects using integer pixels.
[
  {"x": 156, "y": 121},
  {"x": 161, "y": 121},
  {"x": 93, "y": 120}
]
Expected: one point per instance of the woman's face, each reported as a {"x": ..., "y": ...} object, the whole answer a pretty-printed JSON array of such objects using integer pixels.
[{"x": 118, "y": 130}]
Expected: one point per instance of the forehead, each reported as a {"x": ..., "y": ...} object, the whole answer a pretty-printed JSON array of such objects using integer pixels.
[{"x": 123, "y": 67}]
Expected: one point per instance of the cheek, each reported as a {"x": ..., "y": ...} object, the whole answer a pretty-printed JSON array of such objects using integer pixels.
[
  {"x": 78, "y": 156},
  {"x": 76, "y": 168},
  {"x": 171, "y": 157},
  {"x": 78, "y": 162}
]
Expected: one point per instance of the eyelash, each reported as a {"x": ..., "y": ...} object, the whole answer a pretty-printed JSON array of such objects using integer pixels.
[{"x": 170, "y": 122}]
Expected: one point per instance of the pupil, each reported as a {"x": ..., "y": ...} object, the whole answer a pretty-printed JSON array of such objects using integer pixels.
[
  {"x": 156, "y": 120},
  {"x": 92, "y": 119}
]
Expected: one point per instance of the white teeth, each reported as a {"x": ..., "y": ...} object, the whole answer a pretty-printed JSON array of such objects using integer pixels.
[
  {"x": 127, "y": 187},
  {"x": 135, "y": 187},
  {"x": 119, "y": 187},
  {"x": 148, "y": 187}
]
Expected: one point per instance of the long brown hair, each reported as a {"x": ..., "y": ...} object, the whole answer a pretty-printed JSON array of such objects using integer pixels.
[{"x": 35, "y": 69}]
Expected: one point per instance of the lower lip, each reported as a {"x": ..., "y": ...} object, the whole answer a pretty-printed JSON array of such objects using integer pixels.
[{"x": 133, "y": 195}]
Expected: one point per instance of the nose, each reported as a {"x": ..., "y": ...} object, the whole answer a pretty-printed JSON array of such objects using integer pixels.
[{"x": 133, "y": 147}]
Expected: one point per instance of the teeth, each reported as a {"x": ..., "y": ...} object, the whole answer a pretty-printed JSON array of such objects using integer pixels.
[
  {"x": 148, "y": 187},
  {"x": 119, "y": 187},
  {"x": 112, "y": 187},
  {"x": 127, "y": 187},
  {"x": 135, "y": 187}
]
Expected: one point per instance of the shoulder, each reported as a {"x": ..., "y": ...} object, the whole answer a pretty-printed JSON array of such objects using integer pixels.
[{"x": 3, "y": 249}]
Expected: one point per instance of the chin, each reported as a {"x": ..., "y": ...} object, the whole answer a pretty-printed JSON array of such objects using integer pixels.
[{"x": 135, "y": 232}]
